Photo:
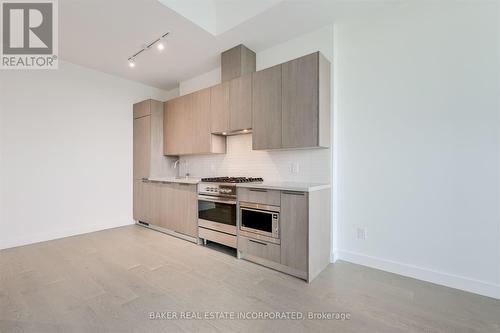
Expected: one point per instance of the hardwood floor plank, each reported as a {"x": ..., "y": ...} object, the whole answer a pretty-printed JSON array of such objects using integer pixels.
[{"x": 110, "y": 281}]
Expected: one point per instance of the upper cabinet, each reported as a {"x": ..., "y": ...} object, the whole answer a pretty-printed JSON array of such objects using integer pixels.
[
  {"x": 219, "y": 108},
  {"x": 299, "y": 111},
  {"x": 231, "y": 105},
  {"x": 148, "y": 144},
  {"x": 187, "y": 123},
  {"x": 266, "y": 108},
  {"x": 286, "y": 106},
  {"x": 240, "y": 103}
]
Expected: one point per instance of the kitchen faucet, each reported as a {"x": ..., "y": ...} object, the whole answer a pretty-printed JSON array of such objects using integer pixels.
[{"x": 176, "y": 163}]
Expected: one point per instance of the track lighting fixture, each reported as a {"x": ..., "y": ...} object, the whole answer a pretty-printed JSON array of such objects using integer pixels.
[{"x": 159, "y": 44}]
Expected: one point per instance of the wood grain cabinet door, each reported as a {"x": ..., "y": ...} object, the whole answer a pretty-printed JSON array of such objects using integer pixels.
[
  {"x": 219, "y": 108},
  {"x": 240, "y": 103},
  {"x": 142, "y": 147},
  {"x": 170, "y": 115},
  {"x": 187, "y": 210},
  {"x": 177, "y": 126},
  {"x": 300, "y": 114},
  {"x": 294, "y": 230},
  {"x": 200, "y": 135},
  {"x": 155, "y": 203},
  {"x": 142, "y": 201},
  {"x": 266, "y": 109},
  {"x": 166, "y": 205}
]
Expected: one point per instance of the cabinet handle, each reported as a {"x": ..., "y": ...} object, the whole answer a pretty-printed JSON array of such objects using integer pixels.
[
  {"x": 257, "y": 190},
  {"x": 184, "y": 184},
  {"x": 293, "y": 193},
  {"x": 257, "y": 242}
]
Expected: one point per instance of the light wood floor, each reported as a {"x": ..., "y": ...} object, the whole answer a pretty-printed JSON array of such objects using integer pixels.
[{"x": 110, "y": 281}]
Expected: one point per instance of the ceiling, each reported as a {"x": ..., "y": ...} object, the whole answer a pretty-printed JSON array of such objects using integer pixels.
[
  {"x": 218, "y": 16},
  {"x": 103, "y": 34}
]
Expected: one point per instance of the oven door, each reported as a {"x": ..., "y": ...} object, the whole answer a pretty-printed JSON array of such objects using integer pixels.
[
  {"x": 217, "y": 214},
  {"x": 260, "y": 219}
]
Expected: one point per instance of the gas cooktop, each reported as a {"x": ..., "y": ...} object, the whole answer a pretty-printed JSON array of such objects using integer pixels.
[{"x": 231, "y": 180}]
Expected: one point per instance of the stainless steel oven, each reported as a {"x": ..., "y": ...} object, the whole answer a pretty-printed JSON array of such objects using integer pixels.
[
  {"x": 217, "y": 213},
  {"x": 217, "y": 209},
  {"x": 260, "y": 221}
]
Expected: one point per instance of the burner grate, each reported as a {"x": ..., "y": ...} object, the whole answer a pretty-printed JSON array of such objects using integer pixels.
[{"x": 232, "y": 180}]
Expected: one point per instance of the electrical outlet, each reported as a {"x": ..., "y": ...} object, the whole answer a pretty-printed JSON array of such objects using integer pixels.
[
  {"x": 361, "y": 233},
  {"x": 294, "y": 167}
]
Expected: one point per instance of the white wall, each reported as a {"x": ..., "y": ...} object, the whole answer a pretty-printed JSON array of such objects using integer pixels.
[
  {"x": 418, "y": 120},
  {"x": 66, "y": 152},
  {"x": 240, "y": 159}
]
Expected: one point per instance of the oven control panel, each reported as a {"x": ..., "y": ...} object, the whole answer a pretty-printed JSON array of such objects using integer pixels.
[{"x": 217, "y": 189}]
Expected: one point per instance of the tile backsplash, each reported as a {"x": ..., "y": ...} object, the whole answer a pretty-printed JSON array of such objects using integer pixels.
[{"x": 305, "y": 165}]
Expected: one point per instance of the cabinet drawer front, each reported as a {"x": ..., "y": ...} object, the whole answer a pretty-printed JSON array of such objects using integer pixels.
[
  {"x": 260, "y": 249},
  {"x": 260, "y": 196},
  {"x": 219, "y": 237}
]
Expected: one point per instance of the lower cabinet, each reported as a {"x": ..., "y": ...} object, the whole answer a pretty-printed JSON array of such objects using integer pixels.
[
  {"x": 294, "y": 230},
  {"x": 171, "y": 206},
  {"x": 254, "y": 249},
  {"x": 142, "y": 200},
  {"x": 185, "y": 210},
  {"x": 303, "y": 247}
]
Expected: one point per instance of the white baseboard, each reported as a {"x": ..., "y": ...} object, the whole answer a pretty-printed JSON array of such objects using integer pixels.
[
  {"x": 334, "y": 256},
  {"x": 58, "y": 233},
  {"x": 420, "y": 273}
]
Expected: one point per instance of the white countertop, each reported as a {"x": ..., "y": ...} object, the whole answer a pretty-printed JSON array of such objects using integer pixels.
[
  {"x": 286, "y": 186},
  {"x": 190, "y": 180}
]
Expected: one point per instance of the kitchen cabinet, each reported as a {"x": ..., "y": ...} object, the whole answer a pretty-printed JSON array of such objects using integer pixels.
[
  {"x": 291, "y": 105},
  {"x": 219, "y": 108},
  {"x": 240, "y": 103},
  {"x": 303, "y": 246},
  {"x": 142, "y": 200},
  {"x": 306, "y": 102},
  {"x": 176, "y": 126},
  {"x": 257, "y": 249},
  {"x": 187, "y": 126},
  {"x": 231, "y": 105},
  {"x": 142, "y": 147},
  {"x": 142, "y": 109},
  {"x": 259, "y": 196},
  {"x": 186, "y": 210},
  {"x": 148, "y": 157},
  {"x": 170, "y": 206},
  {"x": 294, "y": 230},
  {"x": 236, "y": 62},
  {"x": 266, "y": 108}
]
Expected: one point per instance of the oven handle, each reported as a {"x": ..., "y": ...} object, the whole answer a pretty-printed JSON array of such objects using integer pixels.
[{"x": 206, "y": 198}]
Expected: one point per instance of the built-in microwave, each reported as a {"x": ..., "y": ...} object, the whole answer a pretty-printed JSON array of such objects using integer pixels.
[{"x": 260, "y": 221}]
